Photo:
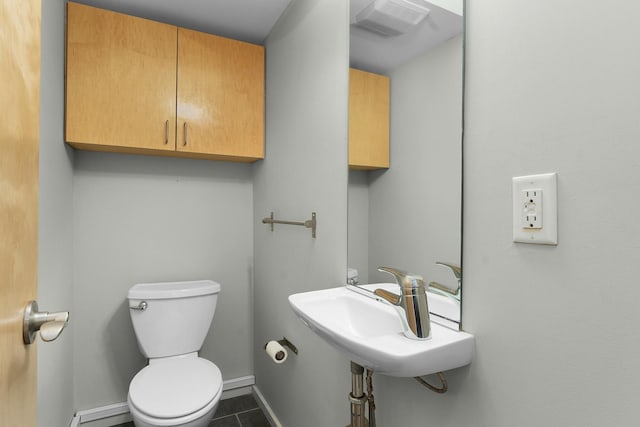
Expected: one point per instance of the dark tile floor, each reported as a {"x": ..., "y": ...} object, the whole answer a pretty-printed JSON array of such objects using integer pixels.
[{"x": 241, "y": 411}]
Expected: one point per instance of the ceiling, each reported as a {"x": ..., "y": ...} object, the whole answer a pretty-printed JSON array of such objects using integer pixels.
[
  {"x": 246, "y": 20},
  {"x": 252, "y": 20},
  {"x": 372, "y": 52}
]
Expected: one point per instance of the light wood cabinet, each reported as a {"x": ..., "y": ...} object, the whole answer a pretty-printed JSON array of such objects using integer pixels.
[
  {"x": 220, "y": 96},
  {"x": 120, "y": 81},
  {"x": 368, "y": 120},
  {"x": 139, "y": 86}
]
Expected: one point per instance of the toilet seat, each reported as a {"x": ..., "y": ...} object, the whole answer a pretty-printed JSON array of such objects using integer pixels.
[{"x": 175, "y": 387}]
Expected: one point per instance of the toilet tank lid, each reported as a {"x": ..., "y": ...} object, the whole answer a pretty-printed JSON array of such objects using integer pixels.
[{"x": 167, "y": 290}]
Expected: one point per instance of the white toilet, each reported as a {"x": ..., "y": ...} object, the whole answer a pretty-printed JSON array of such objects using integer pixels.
[{"x": 171, "y": 321}]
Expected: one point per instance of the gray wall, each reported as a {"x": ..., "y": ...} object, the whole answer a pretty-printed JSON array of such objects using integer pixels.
[
  {"x": 566, "y": 85},
  {"x": 146, "y": 219},
  {"x": 55, "y": 244},
  {"x": 305, "y": 170},
  {"x": 550, "y": 86},
  {"x": 358, "y": 224}
]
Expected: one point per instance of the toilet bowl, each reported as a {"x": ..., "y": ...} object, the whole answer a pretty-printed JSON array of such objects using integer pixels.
[
  {"x": 177, "y": 387},
  {"x": 177, "y": 391}
]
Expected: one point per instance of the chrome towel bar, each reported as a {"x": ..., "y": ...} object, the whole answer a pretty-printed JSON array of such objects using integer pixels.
[{"x": 310, "y": 223}]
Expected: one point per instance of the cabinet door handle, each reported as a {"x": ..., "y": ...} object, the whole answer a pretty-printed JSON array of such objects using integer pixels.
[
  {"x": 166, "y": 132},
  {"x": 185, "y": 133}
]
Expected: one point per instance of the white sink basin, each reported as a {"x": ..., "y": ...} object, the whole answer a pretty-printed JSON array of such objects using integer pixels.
[{"x": 369, "y": 331}]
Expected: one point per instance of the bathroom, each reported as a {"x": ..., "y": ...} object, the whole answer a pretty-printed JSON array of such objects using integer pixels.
[{"x": 549, "y": 87}]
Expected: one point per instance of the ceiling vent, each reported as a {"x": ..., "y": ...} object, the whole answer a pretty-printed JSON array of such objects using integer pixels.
[{"x": 392, "y": 17}]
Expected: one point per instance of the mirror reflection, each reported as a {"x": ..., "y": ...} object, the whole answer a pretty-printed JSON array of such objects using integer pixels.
[{"x": 406, "y": 213}]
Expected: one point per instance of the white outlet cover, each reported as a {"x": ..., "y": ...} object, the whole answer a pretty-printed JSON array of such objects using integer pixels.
[{"x": 548, "y": 233}]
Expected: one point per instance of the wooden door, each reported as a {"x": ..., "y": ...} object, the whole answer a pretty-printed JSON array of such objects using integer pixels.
[
  {"x": 220, "y": 97},
  {"x": 368, "y": 120},
  {"x": 121, "y": 81},
  {"x": 19, "y": 140}
]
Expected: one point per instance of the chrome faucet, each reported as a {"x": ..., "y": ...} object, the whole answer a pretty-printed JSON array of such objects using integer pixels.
[
  {"x": 411, "y": 304},
  {"x": 445, "y": 290}
]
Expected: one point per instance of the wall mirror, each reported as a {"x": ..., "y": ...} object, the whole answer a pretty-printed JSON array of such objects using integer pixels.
[{"x": 408, "y": 215}]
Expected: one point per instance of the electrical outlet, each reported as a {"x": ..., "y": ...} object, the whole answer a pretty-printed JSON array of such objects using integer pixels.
[
  {"x": 532, "y": 208},
  {"x": 535, "y": 212}
]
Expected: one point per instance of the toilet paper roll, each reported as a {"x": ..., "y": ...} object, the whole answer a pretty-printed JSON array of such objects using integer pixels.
[{"x": 276, "y": 352}]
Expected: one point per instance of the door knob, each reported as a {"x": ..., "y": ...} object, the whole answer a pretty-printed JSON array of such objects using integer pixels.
[{"x": 50, "y": 325}]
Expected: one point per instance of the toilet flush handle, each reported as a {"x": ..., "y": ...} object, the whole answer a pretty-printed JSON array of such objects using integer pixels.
[{"x": 142, "y": 306}]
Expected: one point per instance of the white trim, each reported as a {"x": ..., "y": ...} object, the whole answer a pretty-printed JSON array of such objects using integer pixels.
[
  {"x": 109, "y": 411},
  {"x": 103, "y": 412},
  {"x": 75, "y": 421},
  {"x": 266, "y": 408},
  {"x": 239, "y": 382}
]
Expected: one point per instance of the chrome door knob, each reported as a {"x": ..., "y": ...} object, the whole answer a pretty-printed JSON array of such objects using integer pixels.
[{"x": 50, "y": 325}]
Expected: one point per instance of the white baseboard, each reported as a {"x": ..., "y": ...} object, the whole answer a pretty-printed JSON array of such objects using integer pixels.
[
  {"x": 239, "y": 382},
  {"x": 102, "y": 412},
  {"x": 96, "y": 417},
  {"x": 266, "y": 408},
  {"x": 237, "y": 386}
]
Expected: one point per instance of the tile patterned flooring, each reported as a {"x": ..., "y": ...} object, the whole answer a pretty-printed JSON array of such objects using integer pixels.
[{"x": 241, "y": 411}]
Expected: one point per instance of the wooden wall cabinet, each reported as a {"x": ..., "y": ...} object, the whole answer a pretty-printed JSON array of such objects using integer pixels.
[
  {"x": 220, "y": 97},
  {"x": 139, "y": 86},
  {"x": 368, "y": 120}
]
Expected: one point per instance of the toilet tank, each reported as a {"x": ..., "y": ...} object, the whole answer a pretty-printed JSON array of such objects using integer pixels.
[{"x": 176, "y": 318}]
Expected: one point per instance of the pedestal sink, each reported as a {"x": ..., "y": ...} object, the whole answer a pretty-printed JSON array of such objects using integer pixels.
[{"x": 369, "y": 331}]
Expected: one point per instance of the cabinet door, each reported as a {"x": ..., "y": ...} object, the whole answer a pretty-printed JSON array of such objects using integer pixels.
[
  {"x": 220, "y": 97},
  {"x": 120, "y": 83},
  {"x": 368, "y": 120}
]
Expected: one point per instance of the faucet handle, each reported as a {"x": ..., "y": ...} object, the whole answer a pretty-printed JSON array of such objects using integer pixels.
[
  {"x": 389, "y": 296},
  {"x": 404, "y": 279},
  {"x": 396, "y": 272},
  {"x": 446, "y": 290},
  {"x": 457, "y": 271}
]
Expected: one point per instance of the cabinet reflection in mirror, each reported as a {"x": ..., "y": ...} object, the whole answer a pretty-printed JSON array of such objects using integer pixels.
[{"x": 408, "y": 215}]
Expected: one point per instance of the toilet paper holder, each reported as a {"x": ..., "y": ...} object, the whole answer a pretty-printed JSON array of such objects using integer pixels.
[{"x": 286, "y": 343}]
